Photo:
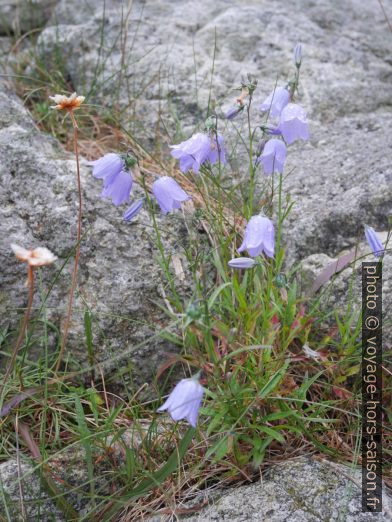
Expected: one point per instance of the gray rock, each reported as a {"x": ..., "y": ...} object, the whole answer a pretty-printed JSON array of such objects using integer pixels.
[
  {"x": 37, "y": 504},
  {"x": 338, "y": 180},
  {"x": 120, "y": 280},
  {"x": 300, "y": 490},
  {"x": 345, "y": 287},
  {"x": 21, "y": 16},
  {"x": 69, "y": 472}
]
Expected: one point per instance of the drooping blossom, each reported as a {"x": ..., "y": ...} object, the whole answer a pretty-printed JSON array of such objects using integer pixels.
[
  {"x": 67, "y": 103},
  {"x": 374, "y": 241},
  {"x": 118, "y": 187},
  {"x": 107, "y": 167},
  {"x": 133, "y": 210},
  {"x": 298, "y": 55},
  {"x": 117, "y": 180},
  {"x": 276, "y": 102},
  {"x": 37, "y": 257},
  {"x": 259, "y": 237},
  {"x": 184, "y": 401},
  {"x": 197, "y": 150},
  {"x": 242, "y": 263},
  {"x": 169, "y": 194},
  {"x": 273, "y": 156},
  {"x": 293, "y": 123},
  {"x": 233, "y": 111}
]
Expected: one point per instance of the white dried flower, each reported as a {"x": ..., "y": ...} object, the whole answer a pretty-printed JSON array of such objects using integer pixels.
[
  {"x": 68, "y": 103},
  {"x": 37, "y": 257}
]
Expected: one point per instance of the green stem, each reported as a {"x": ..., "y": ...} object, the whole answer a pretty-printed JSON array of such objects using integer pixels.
[{"x": 30, "y": 282}]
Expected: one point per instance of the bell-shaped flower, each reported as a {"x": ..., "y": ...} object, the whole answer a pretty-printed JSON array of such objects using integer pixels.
[
  {"x": 273, "y": 156},
  {"x": 118, "y": 187},
  {"x": 259, "y": 237},
  {"x": 242, "y": 263},
  {"x": 37, "y": 257},
  {"x": 184, "y": 401},
  {"x": 374, "y": 241},
  {"x": 293, "y": 123},
  {"x": 133, "y": 210},
  {"x": 298, "y": 55},
  {"x": 169, "y": 194},
  {"x": 233, "y": 111},
  {"x": 276, "y": 102},
  {"x": 197, "y": 150},
  {"x": 107, "y": 167}
]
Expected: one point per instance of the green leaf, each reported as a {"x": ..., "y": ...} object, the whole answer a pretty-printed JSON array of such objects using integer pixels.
[
  {"x": 155, "y": 479},
  {"x": 216, "y": 293}
]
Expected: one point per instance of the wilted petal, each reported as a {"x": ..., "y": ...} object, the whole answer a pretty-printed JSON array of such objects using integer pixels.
[
  {"x": 68, "y": 103},
  {"x": 39, "y": 256},
  {"x": 374, "y": 241},
  {"x": 233, "y": 112},
  {"x": 21, "y": 253},
  {"x": 312, "y": 354},
  {"x": 275, "y": 102}
]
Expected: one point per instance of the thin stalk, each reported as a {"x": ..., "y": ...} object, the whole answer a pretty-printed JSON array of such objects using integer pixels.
[
  {"x": 30, "y": 282},
  {"x": 251, "y": 169},
  {"x": 77, "y": 252},
  {"x": 280, "y": 222}
]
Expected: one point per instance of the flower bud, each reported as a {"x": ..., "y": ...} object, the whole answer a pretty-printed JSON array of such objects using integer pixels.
[
  {"x": 298, "y": 55},
  {"x": 133, "y": 210},
  {"x": 242, "y": 263}
]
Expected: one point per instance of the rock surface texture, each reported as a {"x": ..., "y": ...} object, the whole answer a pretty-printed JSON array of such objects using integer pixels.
[
  {"x": 299, "y": 490},
  {"x": 155, "y": 62},
  {"x": 342, "y": 177},
  {"x": 119, "y": 276},
  {"x": 302, "y": 490},
  {"x": 158, "y": 57}
]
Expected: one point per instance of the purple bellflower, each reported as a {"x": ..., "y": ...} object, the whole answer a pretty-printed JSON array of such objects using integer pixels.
[
  {"x": 374, "y": 241},
  {"x": 169, "y": 194},
  {"x": 293, "y": 123},
  {"x": 133, "y": 210},
  {"x": 298, "y": 55},
  {"x": 197, "y": 150},
  {"x": 233, "y": 111},
  {"x": 109, "y": 165},
  {"x": 276, "y": 102},
  {"x": 184, "y": 401},
  {"x": 259, "y": 237},
  {"x": 242, "y": 263},
  {"x": 117, "y": 182},
  {"x": 273, "y": 156},
  {"x": 118, "y": 187}
]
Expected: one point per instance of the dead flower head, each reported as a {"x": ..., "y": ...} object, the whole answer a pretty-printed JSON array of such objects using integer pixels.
[
  {"x": 67, "y": 103},
  {"x": 38, "y": 257}
]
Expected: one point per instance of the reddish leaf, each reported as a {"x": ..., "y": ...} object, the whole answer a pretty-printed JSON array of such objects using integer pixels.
[
  {"x": 17, "y": 399},
  {"x": 342, "y": 393},
  {"x": 170, "y": 361},
  {"x": 332, "y": 269}
]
